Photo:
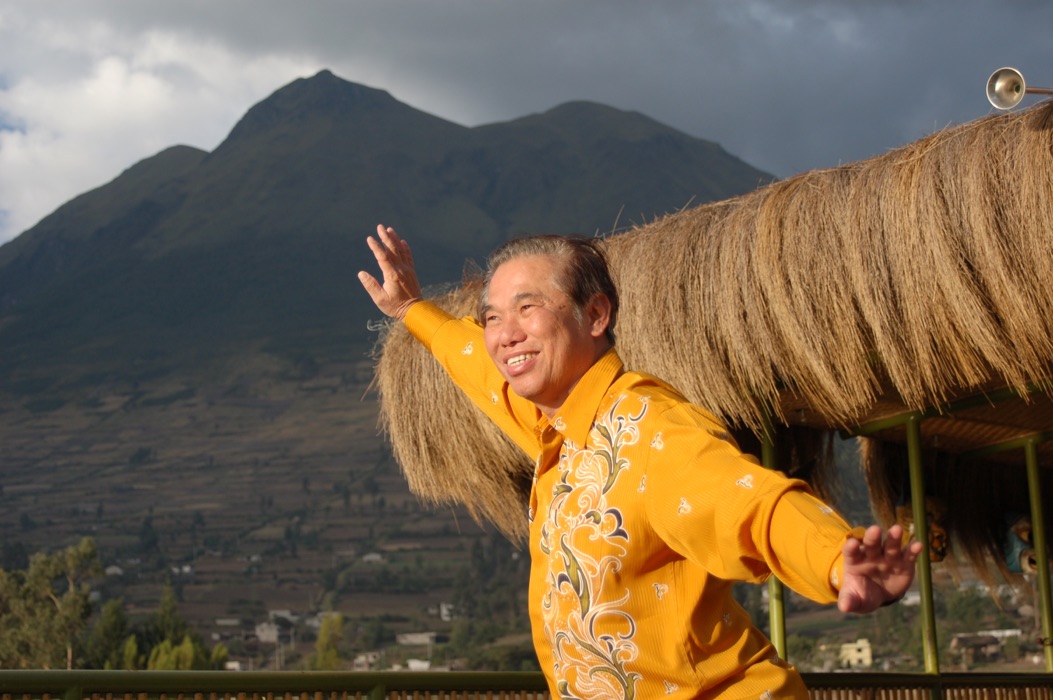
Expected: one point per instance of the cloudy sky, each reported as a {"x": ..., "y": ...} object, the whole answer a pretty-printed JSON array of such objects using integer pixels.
[{"x": 89, "y": 87}]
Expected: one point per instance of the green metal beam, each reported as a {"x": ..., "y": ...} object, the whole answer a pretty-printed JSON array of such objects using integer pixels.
[
  {"x": 1038, "y": 535},
  {"x": 1007, "y": 445},
  {"x": 964, "y": 404},
  {"x": 921, "y": 531},
  {"x": 776, "y": 598}
]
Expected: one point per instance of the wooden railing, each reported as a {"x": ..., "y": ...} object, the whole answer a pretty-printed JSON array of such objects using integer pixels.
[
  {"x": 286, "y": 685},
  {"x": 922, "y": 686}
]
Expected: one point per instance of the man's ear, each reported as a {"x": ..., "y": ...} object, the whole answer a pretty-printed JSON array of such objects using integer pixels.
[{"x": 598, "y": 312}]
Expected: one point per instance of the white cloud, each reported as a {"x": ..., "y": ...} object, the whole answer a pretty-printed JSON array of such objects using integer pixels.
[{"x": 116, "y": 99}]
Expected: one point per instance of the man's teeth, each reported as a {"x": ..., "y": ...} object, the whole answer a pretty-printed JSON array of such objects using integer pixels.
[{"x": 520, "y": 359}]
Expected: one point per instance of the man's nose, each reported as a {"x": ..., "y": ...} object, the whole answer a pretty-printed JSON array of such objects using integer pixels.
[{"x": 511, "y": 332}]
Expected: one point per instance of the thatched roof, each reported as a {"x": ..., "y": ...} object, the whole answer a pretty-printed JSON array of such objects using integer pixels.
[{"x": 836, "y": 298}]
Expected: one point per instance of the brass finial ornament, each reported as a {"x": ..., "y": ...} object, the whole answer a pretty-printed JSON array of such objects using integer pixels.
[{"x": 1006, "y": 88}]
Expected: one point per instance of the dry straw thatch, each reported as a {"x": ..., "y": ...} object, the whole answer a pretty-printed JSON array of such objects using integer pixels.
[{"x": 918, "y": 273}]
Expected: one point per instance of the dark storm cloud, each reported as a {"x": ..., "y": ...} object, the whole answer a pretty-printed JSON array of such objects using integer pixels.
[{"x": 786, "y": 85}]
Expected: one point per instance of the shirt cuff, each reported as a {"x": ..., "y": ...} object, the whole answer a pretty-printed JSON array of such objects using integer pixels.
[
  {"x": 423, "y": 320},
  {"x": 837, "y": 569}
]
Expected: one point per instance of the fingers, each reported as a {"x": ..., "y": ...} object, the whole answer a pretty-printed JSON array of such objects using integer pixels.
[
  {"x": 384, "y": 250},
  {"x": 389, "y": 249},
  {"x": 398, "y": 247},
  {"x": 913, "y": 547},
  {"x": 892, "y": 548},
  {"x": 872, "y": 542},
  {"x": 886, "y": 553},
  {"x": 875, "y": 546},
  {"x": 895, "y": 549},
  {"x": 877, "y": 569},
  {"x": 399, "y": 287},
  {"x": 859, "y": 550},
  {"x": 372, "y": 287},
  {"x": 392, "y": 253}
]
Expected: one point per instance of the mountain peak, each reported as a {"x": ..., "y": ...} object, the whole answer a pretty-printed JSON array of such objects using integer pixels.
[{"x": 322, "y": 94}]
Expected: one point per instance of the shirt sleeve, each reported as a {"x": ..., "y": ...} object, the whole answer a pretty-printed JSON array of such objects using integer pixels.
[
  {"x": 457, "y": 345},
  {"x": 736, "y": 519}
]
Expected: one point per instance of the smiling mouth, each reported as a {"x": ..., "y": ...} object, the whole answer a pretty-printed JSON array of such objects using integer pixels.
[{"x": 520, "y": 359}]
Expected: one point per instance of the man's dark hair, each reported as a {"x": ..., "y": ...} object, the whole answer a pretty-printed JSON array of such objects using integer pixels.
[{"x": 584, "y": 274}]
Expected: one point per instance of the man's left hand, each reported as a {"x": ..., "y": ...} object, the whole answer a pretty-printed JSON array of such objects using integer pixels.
[{"x": 876, "y": 572}]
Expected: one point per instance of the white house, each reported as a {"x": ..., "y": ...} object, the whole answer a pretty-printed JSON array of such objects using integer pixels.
[{"x": 857, "y": 654}]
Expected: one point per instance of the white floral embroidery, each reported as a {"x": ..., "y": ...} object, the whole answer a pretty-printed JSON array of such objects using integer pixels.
[
  {"x": 468, "y": 349},
  {"x": 660, "y": 589},
  {"x": 559, "y": 424},
  {"x": 826, "y": 510},
  {"x": 657, "y": 441},
  {"x": 834, "y": 579},
  {"x": 684, "y": 508},
  {"x": 585, "y": 614},
  {"x": 564, "y": 458},
  {"x": 643, "y": 484},
  {"x": 493, "y": 397},
  {"x": 670, "y": 688},
  {"x": 745, "y": 482},
  {"x": 766, "y": 695}
]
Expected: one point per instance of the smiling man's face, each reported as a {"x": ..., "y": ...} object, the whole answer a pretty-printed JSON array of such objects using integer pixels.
[{"x": 539, "y": 343}]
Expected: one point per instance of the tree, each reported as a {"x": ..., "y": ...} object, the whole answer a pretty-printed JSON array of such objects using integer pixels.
[
  {"x": 461, "y": 635},
  {"x": 968, "y": 610},
  {"x": 148, "y": 538},
  {"x": 373, "y": 633},
  {"x": 172, "y": 657},
  {"x": 130, "y": 658},
  {"x": 14, "y": 556},
  {"x": 105, "y": 643},
  {"x": 189, "y": 655},
  {"x": 327, "y": 647},
  {"x": 169, "y": 622},
  {"x": 800, "y": 650},
  {"x": 168, "y": 643},
  {"x": 44, "y": 608}
]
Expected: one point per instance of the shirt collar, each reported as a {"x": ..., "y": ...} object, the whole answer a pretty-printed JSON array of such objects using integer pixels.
[{"x": 578, "y": 412}]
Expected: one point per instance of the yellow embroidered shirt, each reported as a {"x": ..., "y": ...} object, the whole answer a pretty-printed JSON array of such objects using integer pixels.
[{"x": 643, "y": 512}]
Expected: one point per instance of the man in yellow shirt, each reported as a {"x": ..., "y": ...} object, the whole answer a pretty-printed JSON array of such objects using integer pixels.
[{"x": 643, "y": 511}]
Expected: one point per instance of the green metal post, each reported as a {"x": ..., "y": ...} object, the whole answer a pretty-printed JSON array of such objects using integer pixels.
[
  {"x": 921, "y": 531},
  {"x": 776, "y": 601},
  {"x": 1038, "y": 534}
]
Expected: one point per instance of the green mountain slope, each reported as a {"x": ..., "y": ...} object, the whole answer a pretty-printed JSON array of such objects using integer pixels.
[{"x": 189, "y": 254}]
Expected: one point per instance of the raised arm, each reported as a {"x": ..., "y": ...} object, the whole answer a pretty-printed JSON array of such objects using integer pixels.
[
  {"x": 400, "y": 288},
  {"x": 876, "y": 573}
]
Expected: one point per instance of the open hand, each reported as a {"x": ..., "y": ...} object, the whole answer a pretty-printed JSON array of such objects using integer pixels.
[
  {"x": 400, "y": 288},
  {"x": 876, "y": 572}
]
